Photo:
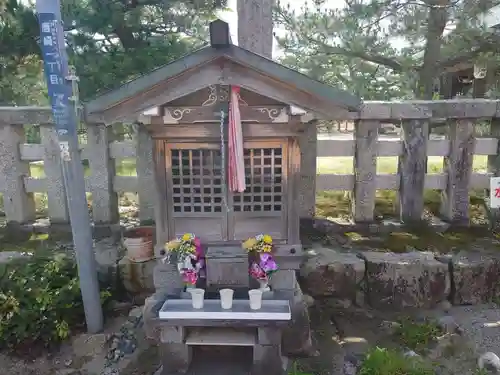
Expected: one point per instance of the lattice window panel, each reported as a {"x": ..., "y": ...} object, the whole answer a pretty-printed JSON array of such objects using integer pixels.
[
  {"x": 264, "y": 181},
  {"x": 196, "y": 181}
]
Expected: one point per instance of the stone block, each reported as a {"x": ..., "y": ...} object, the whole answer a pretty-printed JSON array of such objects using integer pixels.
[
  {"x": 176, "y": 358},
  {"x": 269, "y": 336},
  {"x": 296, "y": 337},
  {"x": 227, "y": 266},
  {"x": 332, "y": 273},
  {"x": 283, "y": 280},
  {"x": 150, "y": 311},
  {"x": 172, "y": 334},
  {"x": 268, "y": 294},
  {"x": 137, "y": 278},
  {"x": 107, "y": 255},
  {"x": 167, "y": 280},
  {"x": 267, "y": 359},
  {"x": 476, "y": 278},
  {"x": 397, "y": 281}
]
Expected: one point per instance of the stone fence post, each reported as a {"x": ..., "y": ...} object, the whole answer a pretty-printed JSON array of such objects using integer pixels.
[
  {"x": 145, "y": 174},
  {"x": 56, "y": 194},
  {"x": 102, "y": 174},
  {"x": 19, "y": 206}
]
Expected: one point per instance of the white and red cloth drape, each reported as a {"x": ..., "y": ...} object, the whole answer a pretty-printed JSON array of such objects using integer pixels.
[{"x": 236, "y": 164}]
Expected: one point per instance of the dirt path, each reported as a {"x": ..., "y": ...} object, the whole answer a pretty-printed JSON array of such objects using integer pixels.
[
  {"x": 350, "y": 333},
  {"x": 356, "y": 330}
]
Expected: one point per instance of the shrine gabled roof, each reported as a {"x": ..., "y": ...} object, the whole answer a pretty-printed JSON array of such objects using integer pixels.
[{"x": 148, "y": 90}]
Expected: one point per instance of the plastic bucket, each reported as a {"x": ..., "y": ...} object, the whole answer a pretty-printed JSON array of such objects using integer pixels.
[{"x": 139, "y": 244}]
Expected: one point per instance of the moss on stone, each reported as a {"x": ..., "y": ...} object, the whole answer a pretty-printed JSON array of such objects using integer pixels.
[{"x": 427, "y": 240}]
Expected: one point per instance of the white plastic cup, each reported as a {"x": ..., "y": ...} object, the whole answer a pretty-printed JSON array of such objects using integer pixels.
[
  {"x": 226, "y": 298},
  {"x": 255, "y": 296},
  {"x": 197, "y": 297}
]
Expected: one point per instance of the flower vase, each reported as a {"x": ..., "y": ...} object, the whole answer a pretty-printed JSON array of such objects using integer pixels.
[{"x": 264, "y": 285}]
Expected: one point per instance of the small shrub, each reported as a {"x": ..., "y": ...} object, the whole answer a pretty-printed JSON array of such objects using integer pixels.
[
  {"x": 296, "y": 371},
  {"x": 379, "y": 361},
  {"x": 40, "y": 301},
  {"x": 417, "y": 336}
]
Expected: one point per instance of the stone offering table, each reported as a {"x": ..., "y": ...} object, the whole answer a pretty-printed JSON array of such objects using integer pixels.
[{"x": 184, "y": 329}]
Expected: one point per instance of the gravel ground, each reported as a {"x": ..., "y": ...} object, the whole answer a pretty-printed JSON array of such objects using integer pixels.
[
  {"x": 481, "y": 325},
  {"x": 353, "y": 332}
]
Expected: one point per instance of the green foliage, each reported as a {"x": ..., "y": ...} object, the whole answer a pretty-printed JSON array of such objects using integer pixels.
[
  {"x": 417, "y": 336},
  {"x": 110, "y": 42},
  {"x": 296, "y": 371},
  {"x": 380, "y": 361},
  {"x": 384, "y": 50},
  {"x": 40, "y": 301}
]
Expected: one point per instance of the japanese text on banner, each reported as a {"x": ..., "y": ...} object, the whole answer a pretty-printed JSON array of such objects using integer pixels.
[
  {"x": 56, "y": 68},
  {"x": 495, "y": 192}
]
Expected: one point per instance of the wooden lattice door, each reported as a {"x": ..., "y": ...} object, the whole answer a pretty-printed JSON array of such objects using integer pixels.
[
  {"x": 197, "y": 201},
  {"x": 194, "y": 184},
  {"x": 261, "y": 208}
]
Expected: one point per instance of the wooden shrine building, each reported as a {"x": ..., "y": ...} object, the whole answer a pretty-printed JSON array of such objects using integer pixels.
[{"x": 191, "y": 93}]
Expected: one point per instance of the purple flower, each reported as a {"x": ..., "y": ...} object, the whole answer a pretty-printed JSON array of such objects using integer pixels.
[{"x": 267, "y": 263}]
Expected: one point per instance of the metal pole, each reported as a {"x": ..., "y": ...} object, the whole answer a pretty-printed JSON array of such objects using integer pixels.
[{"x": 59, "y": 84}]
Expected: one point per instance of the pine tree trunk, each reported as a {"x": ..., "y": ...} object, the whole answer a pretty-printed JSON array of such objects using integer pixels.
[
  {"x": 436, "y": 23},
  {"x": 255, "y": 26}
]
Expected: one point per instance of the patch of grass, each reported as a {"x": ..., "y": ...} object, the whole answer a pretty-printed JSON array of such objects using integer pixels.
[
  {"x": 388, "y": 164},
  {"x": 337, "y": 203},
  {"x": 424, "y": 239},
  {"x": 417, "y": 336},
  {"x": 297, "y": 371},
  {"x": 29, "y": 242},
  {"x": 380, "y": 361}
]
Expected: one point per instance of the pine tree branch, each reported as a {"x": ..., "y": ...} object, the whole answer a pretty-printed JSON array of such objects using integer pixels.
[
  {"x": 374, "y": 58},
  {"x": 491, "y": 43}
]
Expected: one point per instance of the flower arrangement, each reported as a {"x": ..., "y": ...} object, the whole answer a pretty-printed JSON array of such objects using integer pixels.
[
  {"x": 263, "y": 264},
  {"x": 187, "y": 253},
  {"x": 262, "y": 243}
]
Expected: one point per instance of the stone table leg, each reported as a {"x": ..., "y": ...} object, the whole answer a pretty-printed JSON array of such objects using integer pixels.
[
  {"x": 297, "y": 336},
  {"x": 176, "y": 358},
  {"x": 267, "y": 359}
]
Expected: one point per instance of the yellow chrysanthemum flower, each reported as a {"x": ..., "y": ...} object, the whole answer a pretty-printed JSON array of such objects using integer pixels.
[
  {"x": 268, "y": 239},
  {"x": 267, "y": 248},
  {"x": 172, "y": 245},
  {"x": 250, "y": 243},
  {"x": 186, "y": 236}
]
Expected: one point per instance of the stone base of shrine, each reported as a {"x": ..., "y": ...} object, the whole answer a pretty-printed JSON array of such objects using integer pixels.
[
  {"x": 252, "y": 351},
  {"x": 222, "y": 360}
]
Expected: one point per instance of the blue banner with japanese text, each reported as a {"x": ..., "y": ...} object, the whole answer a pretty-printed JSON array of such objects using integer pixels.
[{"x": 56, "y": 70}]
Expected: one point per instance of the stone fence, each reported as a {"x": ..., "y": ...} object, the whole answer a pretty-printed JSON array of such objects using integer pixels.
[{"x": 412, "y": 149}]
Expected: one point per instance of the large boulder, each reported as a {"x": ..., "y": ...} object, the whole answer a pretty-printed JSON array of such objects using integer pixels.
[
  {"x": 331, "y": 273},
  {"x": 8, "y": 256},
  {"x": 296, "y": 340},
  {"x": 476, "y": 278},
  {"x": 108, "y": 253},
  {"x": 397, "y": 281},
  {"x": 137, "y": 278}
]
